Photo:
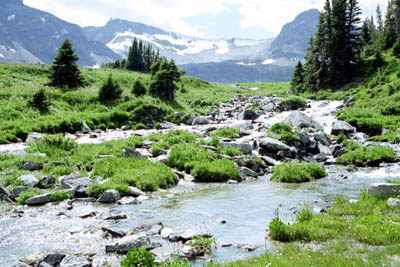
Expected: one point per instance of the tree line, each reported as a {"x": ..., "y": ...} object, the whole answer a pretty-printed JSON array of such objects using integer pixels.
[
  {"x": 342, "y": 48},
  {"x": 140, "y": 58}
]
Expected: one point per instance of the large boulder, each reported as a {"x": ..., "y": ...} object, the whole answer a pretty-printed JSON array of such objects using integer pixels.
[
  {"x": 342, "y": 127},
  {"x": 76, "y": 261},
  {"x": 110, "y": 196},
  {"x": 54, "y": 259},
  {"x": 30, "y": 166},
  {"x": 304, "y": 138},
  {"x": 129, "y": 243},
  {"x": 201, "y": 120},
  {"x": 244, "y": 147},
  {"x": 273, "y": 145},
  {"x": 136, "y": 192},
  {"x": 73, "y": 180},
  {"x": 384, "y": 190},
  {"x": 38, "y": 200},
  {"x": 321, "y": 137},
  {"x": 29, "y": 180},
  {"x": 16, "y": 191},
  {"x": 249, "y": 115},
  {"x": 299, "y": 120}
]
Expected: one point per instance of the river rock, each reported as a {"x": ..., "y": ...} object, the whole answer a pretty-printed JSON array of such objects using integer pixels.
[
  {"x": 324, "y": 149},
  {"x": 126, "y": 127},
  {"x": 248, "y": 115},
  {"x": 247, "y": 247},
  {"x": 109, "y": 196},
  {"x": 34, "y": 137},
  {"x": 342, "y": 127},
  {"x": 167, "y": 125},
  {"x": 321, "y": 137},
  {"x": 166, "y": 232},
  {"x": 128, "y": 243},
  {"x": 70, "y": 181},
  {"x": 21, "y": 264},
  {"x": 38, "y": 200},
  {"x": 114, "y": 232},
  {"x": 299, "y": 120},
  {"x": 85, "y": 127},
  {"x": 394, "y": 202},
  {"x": 273, "y": 145},
  {"x": 3, "y": 191},
  {"x": 221, "y": 221},
  {"x": 75, "y": 261},
  {"x": 54, "y": 259},
  {"x": 397, "y": 139},
  {"x": 269, "y": 161},
  {"x": 30, "y": 166},
  {"x": 29, "y": 180},
  {"x": 131, "y": 153},
  {"x": 16, "y": 191},
  {"x": 246, "y": 172},
  {"x": 201, "y": 120},
  {"x": 384, "y": 190},
  {"x": 304, "y": 138},
  {"x": 128, "y": 201},
  {"x": 270, "y": 107},
  {"x": 135, "y": 192},
  {"x": 244, "y": 147}
]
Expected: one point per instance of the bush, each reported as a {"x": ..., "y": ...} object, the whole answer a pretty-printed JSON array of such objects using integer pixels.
[
  {"x": 31, "y": 192},
  {"x": 368, "y": 156},
  {"x": 138, "y": 257},
  {"x": 295, "y": 172},
  {"x": 53, "y": 145},
  {"x": 40, "y": 100},
  {"x": 138, "y": 88},
  {"x": 110, "y": 90},
  {"x": 279, "y": 231},
  {"x": 220, "y": 170},
  {"x": 202, "y": 244}
]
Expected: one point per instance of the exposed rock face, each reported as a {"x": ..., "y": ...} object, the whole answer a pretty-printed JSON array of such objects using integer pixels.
[
  {"x": 342, "y": 127},
  {"x": 385, "y": 190}
]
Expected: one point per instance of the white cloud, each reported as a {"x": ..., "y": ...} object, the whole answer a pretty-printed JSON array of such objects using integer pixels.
[{"x": 269, "y": 15}]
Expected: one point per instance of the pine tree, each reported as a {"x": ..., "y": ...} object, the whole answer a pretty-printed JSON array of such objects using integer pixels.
[
  {"x": 138, "y": 88},
  {"x": 298, "y": 79},
  {"x": 164, "y": 76},
  {"x": 379, "y": 19},
  {"x": 389, "y": 31},
  {"x": 396, "y": 7},
  {"x": 110, "y": 90},
  {"x": 365, "y": 34},
  {"x": 65, "y": 72},
  {"x": 140, "y": 60},
  {"x": 132, "y": 62}
]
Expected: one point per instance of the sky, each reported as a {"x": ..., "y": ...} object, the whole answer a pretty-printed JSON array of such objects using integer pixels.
[{"x": 254, "y": 19}]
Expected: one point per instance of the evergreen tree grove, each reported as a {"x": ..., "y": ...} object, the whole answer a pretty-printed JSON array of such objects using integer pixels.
[{"x": 65, "y": 72}]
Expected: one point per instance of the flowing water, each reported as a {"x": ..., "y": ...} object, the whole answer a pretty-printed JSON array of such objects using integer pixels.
[{"x": 247, "y": 207}]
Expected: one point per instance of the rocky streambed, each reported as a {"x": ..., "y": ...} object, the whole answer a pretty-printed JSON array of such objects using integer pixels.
[{"x": 83, "y": 232}]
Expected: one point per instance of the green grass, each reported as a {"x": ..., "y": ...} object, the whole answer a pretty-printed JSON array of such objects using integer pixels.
[
  {"x": 296, "y": 172},
  {"x": 18, "y": 83},
  {"x": 220, "y": 170},
  {"x": 226, "y": 133},
  {"x": 367, "y": 155},
  {"x": 285, "y": 133},
  {"x": 31, "y": 192},
  {"x": 125, "y": 172},
  {"x": 295, "y": 101},
  {"x": 184, "y": 156},
  {"x": 165, "y": 141}
]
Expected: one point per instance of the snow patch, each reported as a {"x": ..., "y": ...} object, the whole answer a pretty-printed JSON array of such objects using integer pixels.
[
  {"x": 268, "y": 61},
  {"x": 246, "y": 42},
  {"x": 11, "y": 17},
  {"x": 246, "y": 64},
  {"x": 1, "y": 55},
  {"x": 43, "y": 19},
  {"x": 12, "y": 50}
]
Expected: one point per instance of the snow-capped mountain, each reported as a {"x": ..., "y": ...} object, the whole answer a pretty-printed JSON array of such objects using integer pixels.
[
  {"x": 118, "y": 35},
  {"x": 28, "y": 35}
]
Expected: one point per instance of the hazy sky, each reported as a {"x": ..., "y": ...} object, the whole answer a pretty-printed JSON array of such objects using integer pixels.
[{"x": 257, "y": 19}]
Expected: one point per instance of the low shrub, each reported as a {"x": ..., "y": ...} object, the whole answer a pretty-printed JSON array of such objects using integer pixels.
[
  {"x": 138, "y": 257},
  {"x": 279, "y": 231},
  {"x": 285, "y": 132},
  {"x": 110, "y": 90},
  {"x": 368, "y": 156},
  {"x": 203, "y": 244},
  {"x": 220, "y": 170},
  {"x": 296, "y": 172},
  {"x": 293, "y": 102},
  {"x": 278, "y": 128},
  {"x": 40, "y": 100},
  {"x": 227, "y": 133},
  {"x": 138, "y": 88},
  {"x": 231, "y": 151}
]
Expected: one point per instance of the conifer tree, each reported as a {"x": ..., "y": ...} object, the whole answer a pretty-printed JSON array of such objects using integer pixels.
[
  {"x": 110, "y": 90},
  {"x": 65, "y": 72},
  {"x": 298, "y": 79}
]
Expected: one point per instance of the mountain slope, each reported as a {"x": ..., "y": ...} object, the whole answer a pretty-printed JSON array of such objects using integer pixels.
[
  {"x": 29, "y": 35},
  {"x": 118, "y": 35}
]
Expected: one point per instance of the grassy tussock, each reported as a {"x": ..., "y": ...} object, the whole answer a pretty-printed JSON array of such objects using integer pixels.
[{"x": 296, "y": 172}]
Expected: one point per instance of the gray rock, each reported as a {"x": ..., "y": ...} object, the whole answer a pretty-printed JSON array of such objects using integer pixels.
[
  {"x": 34, "y": 137},
  {"x": 110, "y": 196},
  {"x": 29, "y": 180},
  {"x": 44, "y": 264},
  {"x": 135, "y": 192},
  {"x": 162, "y": 159},
  {"x": 322, "y": 138},
  {"x": 304, "y": 138},
  {"x": 5, "y": 198},
  {"x": 269, "y": 107},
  {"x": 244, "y": 147},
  {"x": 117, "y": 217},
  {"x": 166, "y": 232},
  {"x": 38, "y": 200},
  {"x": 3, "y": 191},
  {"x": 232, "y": 182},
  {"x": 246, "y": 172},
  {"x": 75, "y": 261},
  {"x": 126, "y": 127},
  {"x": 248, "y": 115},
  {"x": 128, "y": 243},
  {"x": 201, "y": 120},
  {"x": 221, "y": 221},
  {"x": 131, "y": 153},
  {"x": 273, "y": 145},
  {"x": 324, "y": 149},
  {"x": 342, "y": 127},
  {"x": 79, "y": 191},
  {"x": 30, "y": 166},
  {"x": 114, "y": 232},
  {"x": 167, "y": 125},
  {"x": 85, "y": 127},
  {"x": 16, "y": 191},
  {"x": 394, "y": 202},
  {"x": 75, "y": 179},
  {"x": 247, "y": 247},
  {"x": 128, "y": 201},
  {"x": 21, "y": 264},
  {"x": 269, "y": 161},
  {"x": 397, "y": 139},
  {"x": 384, "y": 190},
  {"x": 87, "y": 214},
  {"x": 299, "y": 120},
  {"x": 53, "y": 259}
]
